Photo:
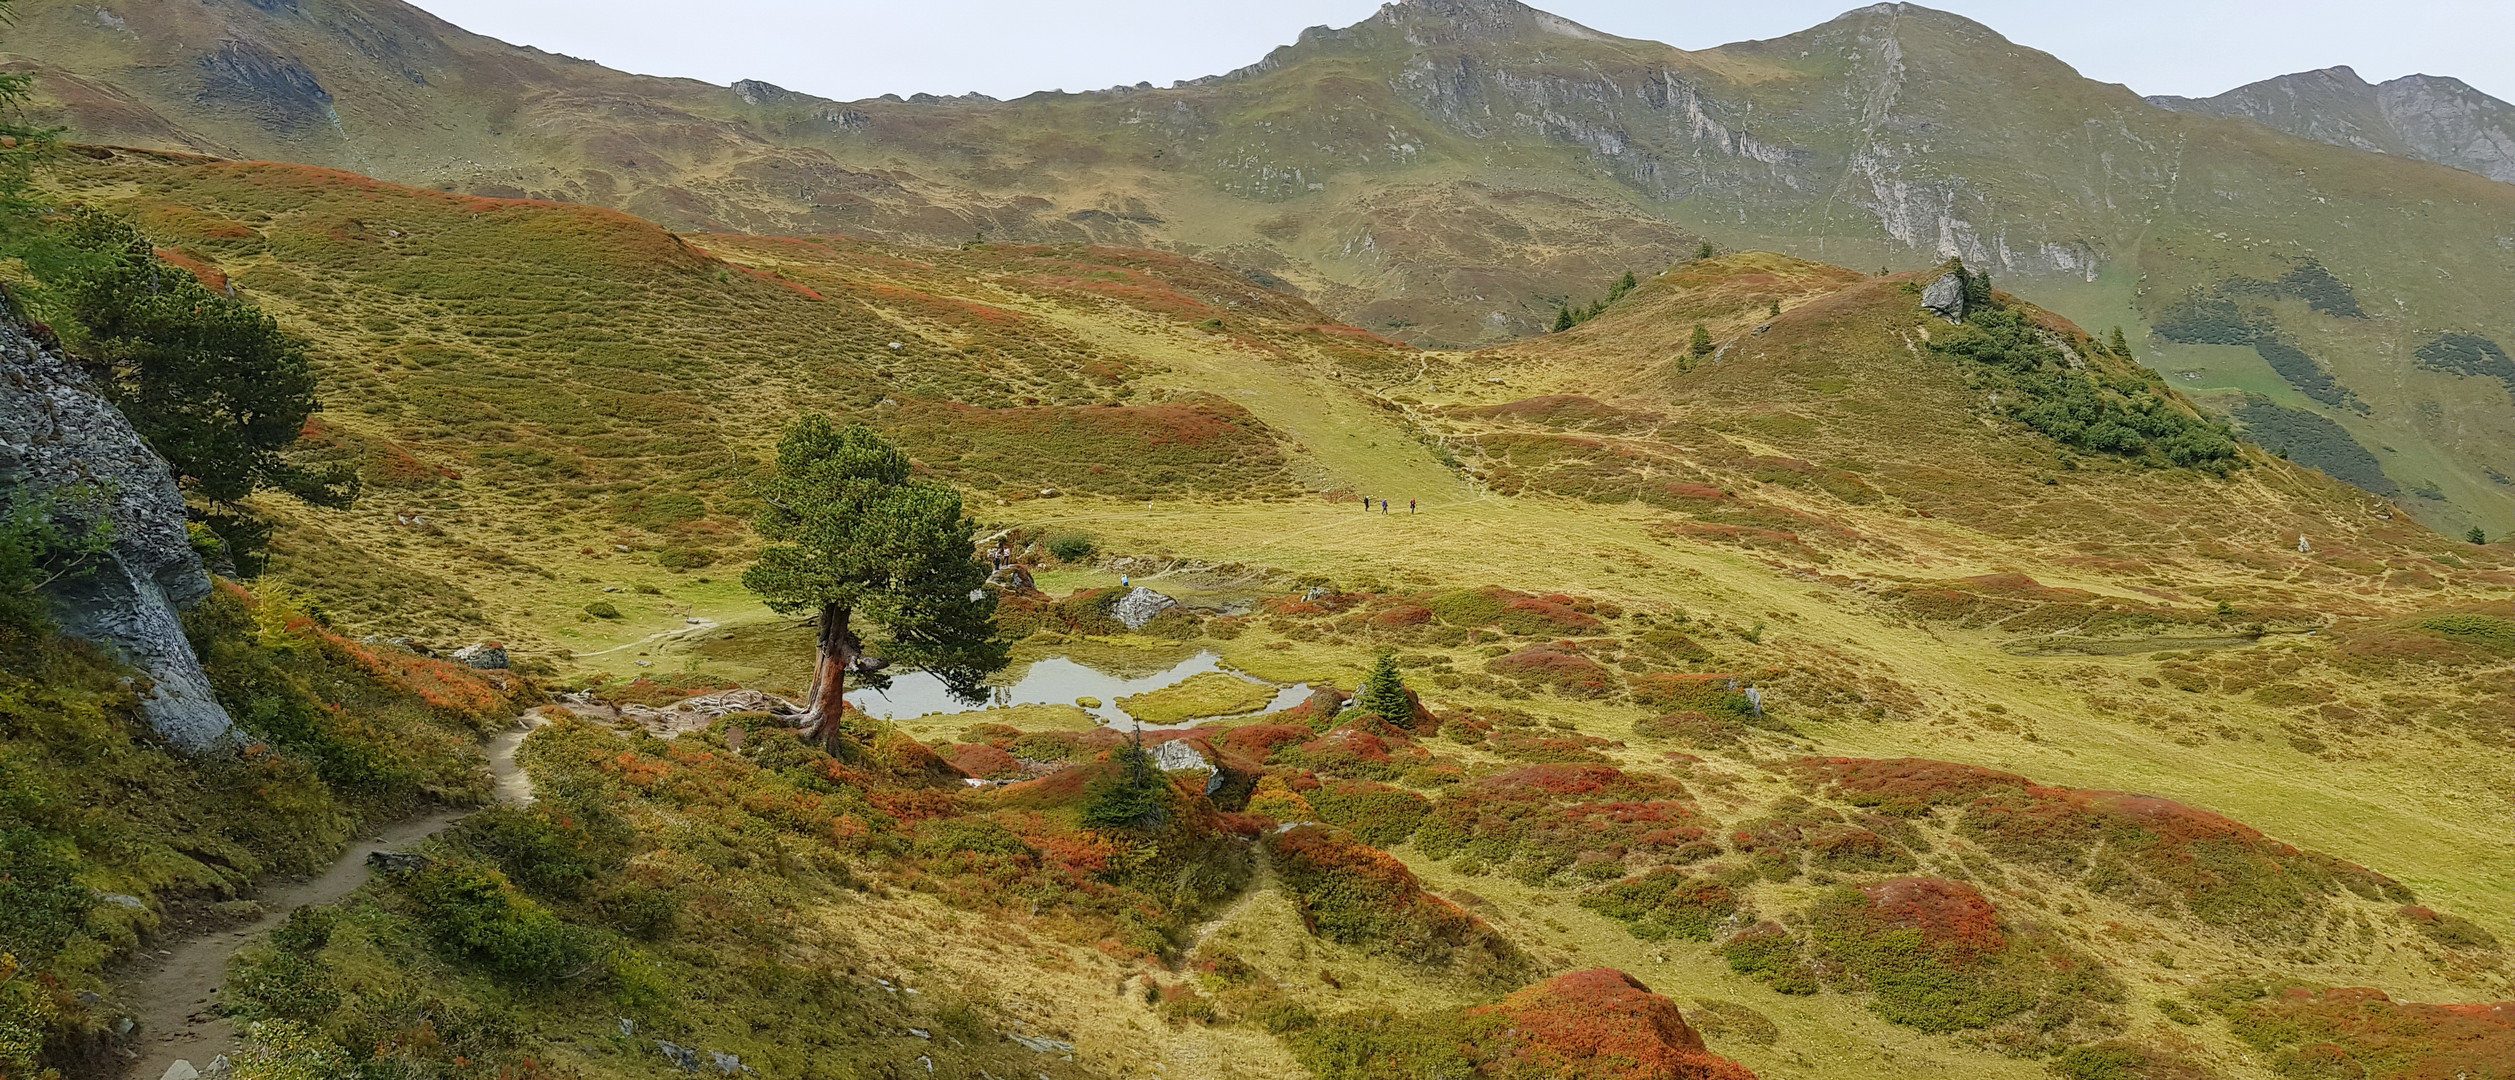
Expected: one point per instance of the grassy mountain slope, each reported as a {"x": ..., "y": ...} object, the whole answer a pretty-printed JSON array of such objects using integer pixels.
[
  {"x": 1447, "y": 172},
  {"x": 555, "y": 406}
]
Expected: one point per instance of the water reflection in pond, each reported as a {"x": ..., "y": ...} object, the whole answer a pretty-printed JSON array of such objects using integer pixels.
[{"x": 1058, "y": 680}]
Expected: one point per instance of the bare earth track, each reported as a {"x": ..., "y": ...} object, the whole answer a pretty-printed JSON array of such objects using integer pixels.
[{"x": 174, "y": 996}]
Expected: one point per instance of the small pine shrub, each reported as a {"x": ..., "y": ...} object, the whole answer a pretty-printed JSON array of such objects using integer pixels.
[{"x": 1072, "y": 547}]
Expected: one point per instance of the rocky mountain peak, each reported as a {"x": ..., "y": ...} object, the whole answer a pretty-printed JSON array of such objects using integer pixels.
[
  {"x": 1483, "y": 20},
  {"x": 2425, "y": 117}
]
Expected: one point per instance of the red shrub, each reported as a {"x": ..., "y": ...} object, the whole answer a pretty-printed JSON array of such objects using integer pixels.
[
  {"x": 1717, "y": 695},
  {"x": 1550, "y": 615},
  {"x": 2358, "y": 1032},
  {"x": 1407, "y": 615},
  {"x": 981, "y": 760},
  {"x": 1952, "y": 917},
  {"x": 1906, "y": 786},
  {"x": 1603, "y": 1024},
  {"x": 1555, "y": 666}
]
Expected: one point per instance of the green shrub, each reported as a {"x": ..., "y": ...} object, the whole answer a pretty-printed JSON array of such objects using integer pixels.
[
  {"x": 1768, "y": 953},
  {"x": 473, "y": 913},
  {"x": 41, "y": 905},
  {"x": 1378, "y": 814},
  {"x": 641, "y": 910},
  {"x": 980, "y": 836},
  {"x": 2128, "y": 414},
  {"x": 1281, "y": 1017},
  {"x": 1469, "y": 608},
  {"x": 1379, "y": 1044},
  {"x": 2103, "y": 1062},
  {"x": 1134, "y": 798},
  {"x": 550, "y": 851},
  {"x": 602, "y": 609},
  {"x": 2491, "y": 632},
  {"x": 1072, "y": 547},
  {"x": 280, "y": 984},
  {"x": 1665, "y": 903}
]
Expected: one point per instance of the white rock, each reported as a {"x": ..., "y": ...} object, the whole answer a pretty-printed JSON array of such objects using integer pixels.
[
  {"x": 1178, "y": 756},
  {"x": 1141, "y": 606}
]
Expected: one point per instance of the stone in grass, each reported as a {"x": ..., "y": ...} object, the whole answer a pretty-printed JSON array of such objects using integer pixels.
[
  {"x": 1140, "y": 606},
  {"x": 486, "y": 656}
]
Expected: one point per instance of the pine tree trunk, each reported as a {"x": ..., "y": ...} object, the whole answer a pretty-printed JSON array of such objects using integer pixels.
[{"x": 828, "y": 699}]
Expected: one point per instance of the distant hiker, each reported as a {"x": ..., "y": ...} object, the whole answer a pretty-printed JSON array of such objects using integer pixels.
[
  {"x": 1384, "y": 506},
  {"x": 1366, "y": 504},
  {"x": 1125, "y": 580},
  {"x": 1410, "y": 506}
]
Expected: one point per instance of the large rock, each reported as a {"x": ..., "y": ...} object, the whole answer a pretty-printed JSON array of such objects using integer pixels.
[
  {"x": 1945, "y": 297},
  {"x": 486, "y": 656},
  {"x": 59, "y": 439},
  {"x": 1140, "y": 607},
  {"x": 1178, "y": 755}
]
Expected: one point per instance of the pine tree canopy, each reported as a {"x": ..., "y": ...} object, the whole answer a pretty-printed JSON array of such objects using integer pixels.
[{"x": 848, "y": 528}]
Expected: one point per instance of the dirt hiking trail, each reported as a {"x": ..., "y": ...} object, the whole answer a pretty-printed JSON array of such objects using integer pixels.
[{"x": 172, "y": 998}]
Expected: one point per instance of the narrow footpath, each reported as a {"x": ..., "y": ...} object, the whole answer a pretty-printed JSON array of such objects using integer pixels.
[{"x": 173, "y": 998}]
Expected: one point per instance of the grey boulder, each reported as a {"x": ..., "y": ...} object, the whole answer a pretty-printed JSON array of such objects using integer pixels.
[
  {"x": 1945, "y": 297},
  {"x": 487, "y": 656},
  {"x": 1141, "y": 606}
]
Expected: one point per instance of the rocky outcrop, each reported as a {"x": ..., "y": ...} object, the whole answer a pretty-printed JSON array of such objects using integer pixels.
[
  {"x": 62, "y": 442},
  {"x": 1945, "y": 297}
]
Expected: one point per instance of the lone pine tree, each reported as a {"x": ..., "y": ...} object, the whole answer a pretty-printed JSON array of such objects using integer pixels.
[
  {"x": 851, "y": 534},
  {"x": 1383, "y": 694}
]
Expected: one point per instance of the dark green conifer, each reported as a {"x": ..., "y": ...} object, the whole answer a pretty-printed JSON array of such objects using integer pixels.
[
  {"x": 1383, "y": 693},
  {"x": 851, "y": 533}
]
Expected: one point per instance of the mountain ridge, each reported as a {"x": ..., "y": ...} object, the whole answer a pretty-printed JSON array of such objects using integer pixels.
[{"x": 2427, "y": 117}]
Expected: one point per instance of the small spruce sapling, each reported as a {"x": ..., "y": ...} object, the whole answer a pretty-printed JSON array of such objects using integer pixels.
[
  {"x": 1703, "y": 345},
  {"x": 2477, "y": 535},
  {"x": 849, "y": 533},
  {"x": 1134, "y": 797},
  {"x": 1383, "y": 693}
]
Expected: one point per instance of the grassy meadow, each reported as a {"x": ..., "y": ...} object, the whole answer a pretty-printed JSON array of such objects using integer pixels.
[{"x": 557, "y": 408}]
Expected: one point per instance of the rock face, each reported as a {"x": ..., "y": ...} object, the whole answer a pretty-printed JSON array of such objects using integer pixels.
[
  {"x": 2426, "y": 117},
  {"x": 60, "y": 440},
  {"x": 1945, "y": 298},
  {"x": 1140, "y": 607}
]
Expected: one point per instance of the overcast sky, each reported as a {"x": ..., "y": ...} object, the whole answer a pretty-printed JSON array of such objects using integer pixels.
[{"x": 850, "y": 49}]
